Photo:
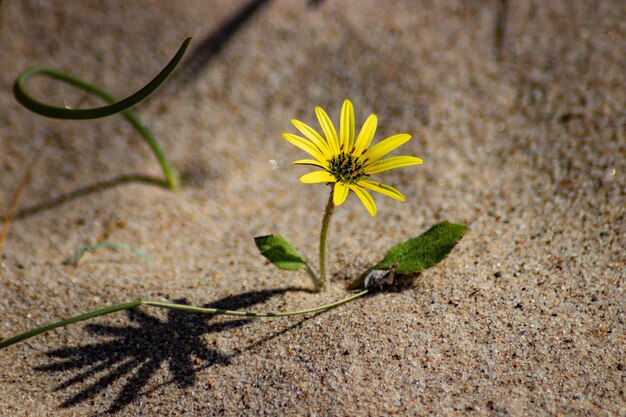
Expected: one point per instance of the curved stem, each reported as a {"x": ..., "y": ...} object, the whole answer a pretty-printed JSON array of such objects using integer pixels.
[
  {"x": 170, "y": 173},
  {"x": 81, "y": 114},
  {"x": 330, "y": 206},
  {"x": 114, "y": 106},
  {"x": 217, "y": 311},
  {"x": 190, "y": 309},
  {"x": 173, "y": 181}
]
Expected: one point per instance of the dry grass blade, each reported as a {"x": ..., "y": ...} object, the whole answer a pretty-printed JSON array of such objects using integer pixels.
[{"x": 18, "y": 192}]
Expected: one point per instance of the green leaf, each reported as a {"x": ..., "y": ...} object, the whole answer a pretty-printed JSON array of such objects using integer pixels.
[
  {"x": 418, "y": 253},
  {"x": 424, "y": 251},
  {"x": 279, "y": 252}
]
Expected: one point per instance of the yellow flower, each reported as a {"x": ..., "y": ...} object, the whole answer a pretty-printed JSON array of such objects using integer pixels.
[{"x": 347, "y": 162}]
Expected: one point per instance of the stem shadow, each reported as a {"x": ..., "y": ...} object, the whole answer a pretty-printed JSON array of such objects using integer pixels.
[
  {"x": 499, "y": 34},
  {"x": 134, "y": 353},
  {"x": 84, "y": 191},
  {"x": 211, "y": 46}
]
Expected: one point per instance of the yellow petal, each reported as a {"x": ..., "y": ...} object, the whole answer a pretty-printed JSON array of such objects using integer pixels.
[
  {"x": 314, "y": 137},
  {"x": 309, "y": 162},
  {"x": 392, "y": 163},
  {"x": 317, "y": 177},
  {"x": 340, "y": 193},
  {"x": 306, "y": 146},
  {"x": 365, "y": 198},
  {"x": 329, "y": 130},
  {"x": 366, "y": 135},
  {"x": 385, "y": 189},
  {"x": 346, "y": 126},
  {"x": 383, "y": 147}
]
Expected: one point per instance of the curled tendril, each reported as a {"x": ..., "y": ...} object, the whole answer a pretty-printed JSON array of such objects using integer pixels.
[
  {"x": 81, "y": 114},
  {"x": 114, "y": 106}
]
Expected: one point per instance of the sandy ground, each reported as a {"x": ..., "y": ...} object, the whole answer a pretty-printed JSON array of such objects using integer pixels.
[{"x": 517, "y": 109}]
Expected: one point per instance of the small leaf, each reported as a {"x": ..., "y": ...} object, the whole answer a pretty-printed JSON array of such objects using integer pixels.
[
  {"x": 279, "y": 252},
  {"x": 418, "y": 253}
]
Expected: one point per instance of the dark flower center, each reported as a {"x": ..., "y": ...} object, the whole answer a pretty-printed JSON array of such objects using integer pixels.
[{"x": 346, "y": 168}]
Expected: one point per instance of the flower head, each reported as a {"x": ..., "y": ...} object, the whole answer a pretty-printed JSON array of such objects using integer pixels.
[{"x": 348, "y": 162}]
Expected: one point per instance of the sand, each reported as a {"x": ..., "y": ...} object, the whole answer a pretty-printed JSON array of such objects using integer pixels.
[{"x": 517, "y": 109}]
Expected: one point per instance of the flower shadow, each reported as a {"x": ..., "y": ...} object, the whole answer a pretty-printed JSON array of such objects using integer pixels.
[{"x": 137, "y": 351}]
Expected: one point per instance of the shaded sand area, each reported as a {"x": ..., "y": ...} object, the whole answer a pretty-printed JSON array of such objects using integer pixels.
[{"x": 517, "y": 109}]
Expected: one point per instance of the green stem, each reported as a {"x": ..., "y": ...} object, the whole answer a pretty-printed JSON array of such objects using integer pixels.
[
  {"x": 81, "y": 114},
  {"x": 182, "y": 307},
  {"x": 31, "y": 333},
  {"x": 114, "y": 106},
  {"x": 173, "y": 181},
  {"x": 216, "y": 311},
  {"x": 330, "y": 206}
]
